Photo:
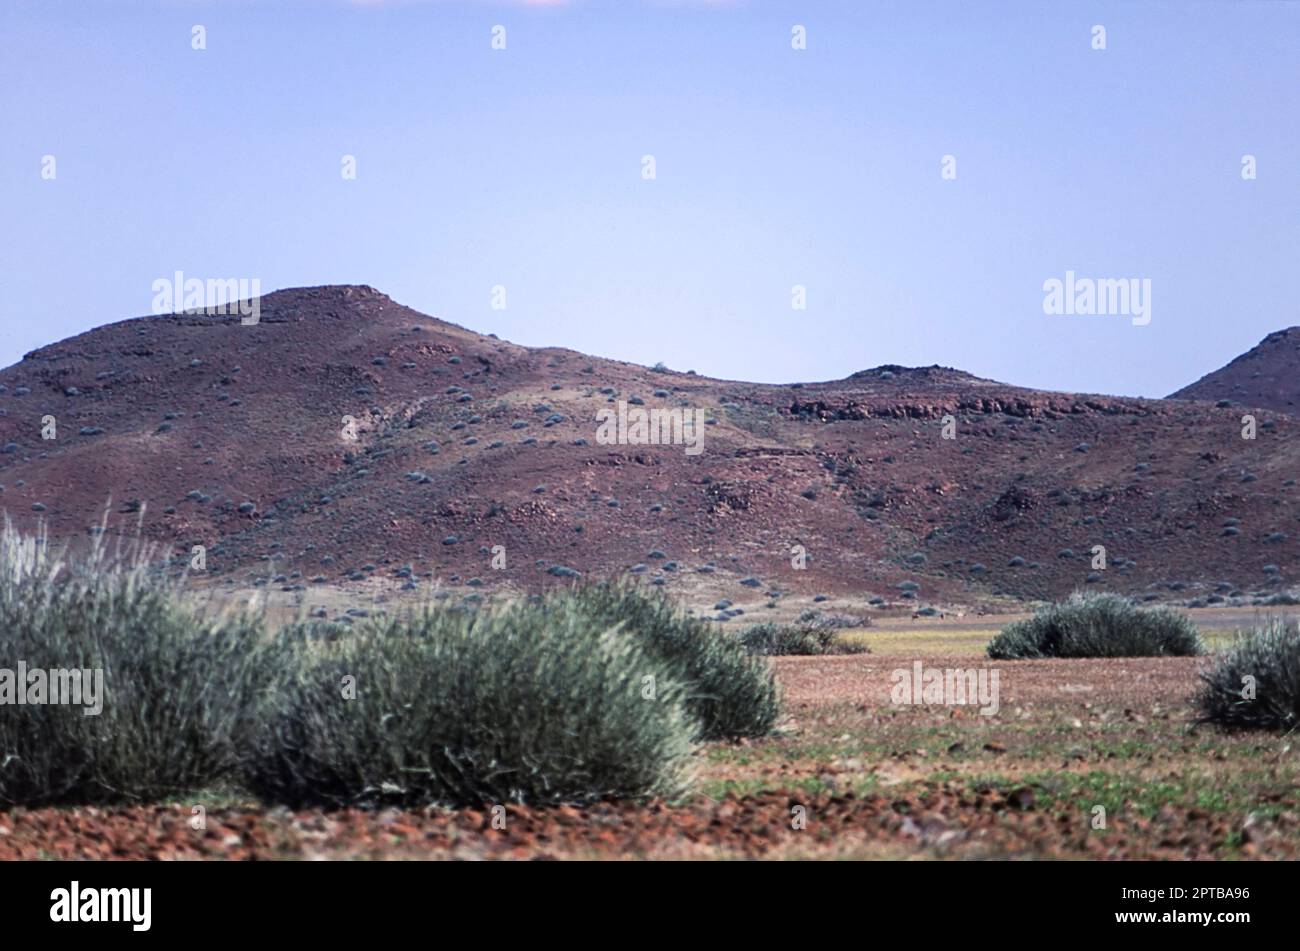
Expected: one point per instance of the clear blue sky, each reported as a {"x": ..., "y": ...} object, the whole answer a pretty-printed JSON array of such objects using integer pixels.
[{"x": 775, "y": 167}]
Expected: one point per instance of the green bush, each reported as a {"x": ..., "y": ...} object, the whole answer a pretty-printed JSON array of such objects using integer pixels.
[
  {"x": 1098, "y": 625},
  {"x": 1269, "y": 655},
  {"x": 772, "y": 639},
  {"x": 576, "y": 696},
  {"x": 731, "y": 693},
  {"x": 174, "y": 689},
  {"x": 513, "y": 703}
]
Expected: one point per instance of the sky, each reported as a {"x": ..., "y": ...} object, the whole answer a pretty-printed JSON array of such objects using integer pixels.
[{"x": 821, "y": 168}]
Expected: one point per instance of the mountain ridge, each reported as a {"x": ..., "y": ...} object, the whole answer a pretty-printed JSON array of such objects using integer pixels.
[
  {"x": 1267, "y": 376},
  {"x": 237, "y": 438}
]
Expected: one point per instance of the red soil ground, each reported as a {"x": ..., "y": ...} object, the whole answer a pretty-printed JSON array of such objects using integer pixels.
[{"x": 874, "y": 780}]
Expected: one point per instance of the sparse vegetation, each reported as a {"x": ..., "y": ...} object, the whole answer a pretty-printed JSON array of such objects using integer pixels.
[{"x": 1098, "y": 625}]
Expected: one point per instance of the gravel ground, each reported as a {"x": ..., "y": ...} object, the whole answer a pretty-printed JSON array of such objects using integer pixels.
[{"x": 851, "y": 774}]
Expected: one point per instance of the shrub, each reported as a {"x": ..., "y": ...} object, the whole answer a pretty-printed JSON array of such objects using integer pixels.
[
  {"x": 731, "y": 693},
  {"x": 1097, "y": 625},
  {"x": 780, "y": 640},
  {"x": 522, "y": 702},
  {"x": 803, "y": 638},
  {"x": 770, "y": 639},
  {"x": 1281, "y": 598},
  {"x": 175, "y": 684},
  {"x": 825, "y": 619},
  {"x": 1270, "y": 654}
]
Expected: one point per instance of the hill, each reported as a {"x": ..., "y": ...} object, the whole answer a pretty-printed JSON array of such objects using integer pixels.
[
  {"x": 347, "y": 439},
  {"x": 1266, "y": 376}
]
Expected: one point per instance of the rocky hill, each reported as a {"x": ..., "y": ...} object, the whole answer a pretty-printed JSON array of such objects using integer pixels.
[
  {"x": 346, "y": 439},
  {"x": 1267, "y": 376}
]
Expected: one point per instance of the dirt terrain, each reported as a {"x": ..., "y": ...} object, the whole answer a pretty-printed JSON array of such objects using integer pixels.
[
  {"x": 345, "y": 442},
  {"x": 873, "y": 780}
]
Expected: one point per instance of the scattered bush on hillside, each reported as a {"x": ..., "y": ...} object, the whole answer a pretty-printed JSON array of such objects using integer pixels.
[
  {"x": 1097, "y": 625},
  {"x": 1282, "y": 598},
  {"x": 825, "y": 619},
  {"x": 1255, "y": 683}
]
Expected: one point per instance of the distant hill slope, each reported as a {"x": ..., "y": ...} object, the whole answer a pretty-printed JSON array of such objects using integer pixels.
[
  {"x": 1266, "y": 376},
  {"x": 233, "y": 437}
]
